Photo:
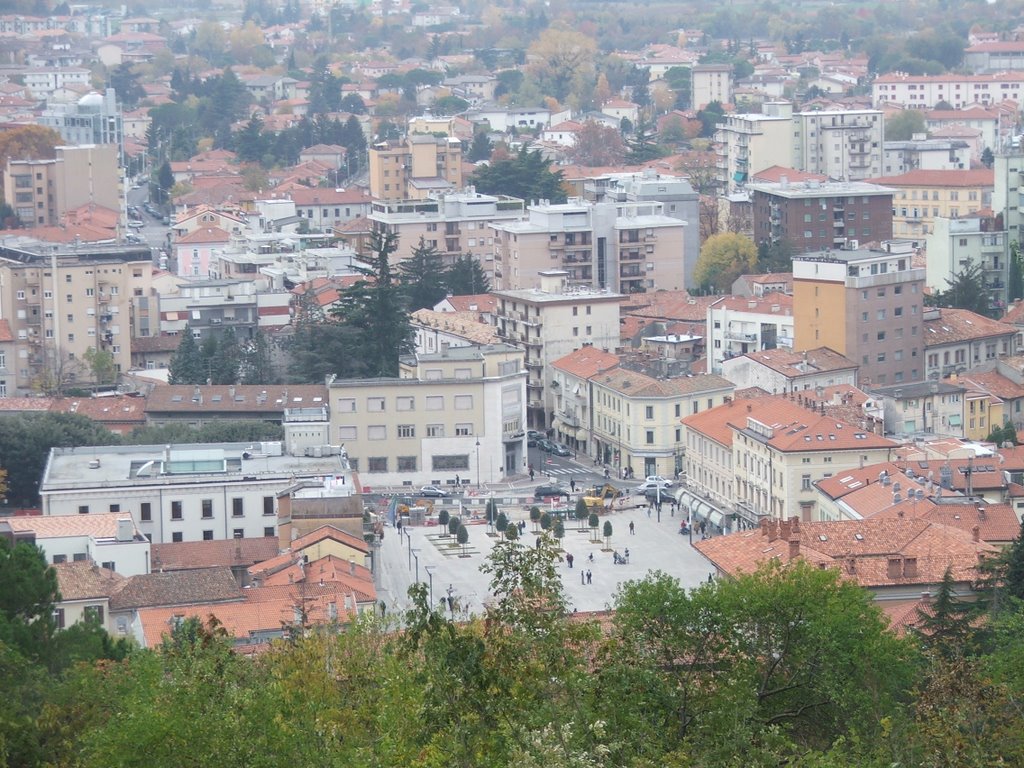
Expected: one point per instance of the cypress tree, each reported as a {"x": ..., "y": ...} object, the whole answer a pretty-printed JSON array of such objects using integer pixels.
[{"x": 187, "y": 363}]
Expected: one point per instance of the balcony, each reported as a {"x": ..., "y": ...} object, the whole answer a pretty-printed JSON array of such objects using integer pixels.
[{"x": 738, "y": 336}]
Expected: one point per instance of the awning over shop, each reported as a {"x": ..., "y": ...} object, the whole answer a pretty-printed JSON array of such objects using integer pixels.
[{"x": 701, "y": 509}]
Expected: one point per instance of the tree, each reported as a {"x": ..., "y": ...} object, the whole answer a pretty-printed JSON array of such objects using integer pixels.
[
  {"x": 466, "y": 277},
  {"x": 903, "y": 125},
  {"x": 501, "y": 523},
  {"x": 526, "y": 585},
  {"x": 593, "y": 521},
  {"x": 535, "y": 516},
  {"x": 775, "y": 257},
  {"x": 710, "y": 116},
  {"x": 164, "y": 184},
  {"x": 987, "y": 158},
  {"x": 453, "y": 525},
  {"x": 376, "y": 308},
  {"x": 562, "y": 59},
  {"x": 526, "y": 175},
  {"x": 443, "y": 517},
  {"x": 480, "y": 148},
  {"x": 27, "y": 599},
  {"x": 223, "y": 358},
  {"x": 945, "y": 626},
  {"x": 124, "y": 79},
  {"x": 186, "y": 365},
  {"x": 597, "y": 145},
  {"x": 353, "y": 102},
  {"x": 607, "y": 533},
  {"x": 512, "y": 532},
  {"x": 449, "y": 105},
  {"x": 545, "y": 521},
  {"x": 643, "y": 147},
  {"x": 559, "y": 531},
  {"x": 1013, "y": 571},
  {"x": 250, "y": 143},
  {"x": 255, "y": 365},
  {"x": 423, "y": 277},
  {"x": 491, "y": 512},
  {"x": 1015, "y": 281},
  {"x": 102, "y": 364},
  {"x": 723, "y": 258},
  {"x": 582, "y": 512},
  {"x": 28, "y": 142},
  {"x": 966, "y": 291},
  {"x": 462, "y": 536}
]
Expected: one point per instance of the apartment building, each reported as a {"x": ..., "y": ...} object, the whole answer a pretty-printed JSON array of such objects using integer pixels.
[
  {"x": 711, "y": 82},
  {"x": 324, "y": 209},
  {"x": 549, "y": 322},
  {"x": 990, "y": 121},
  {"x": 107, "y": 538},
  {"x": 817, "y": 216},
  {"x": 415, "y": 167},
  {"x": 844, "y": 145},
  {"x": 738, "y": 325},
  {"x": 42, "y": 81},
  {"x": 956, "y": 340},
  {"x": 955, "y": 244},
  {"x": 455, "y": 414},
  {"x": 176, "y": 493},
  {"x": 758, "y": 458},
  {"x": 958, "y": 90},
  {"x": 212, "y": 306},
  {"x": 93, "y": 119},
  {"x": 929, "y": 407},
  {"x": 41, "y": 192},
  {"x": 678, "y": 198},
  {"x": 625, "y": 247},
  {"x": 747, "y": 144},
  {"x": 1007, "y": 200},
  {"x": 920, "y": 197},
  {"x": 573, "y": 414},
  {"x": 866, "y": 305},
  {"x": 455, "y": 224},
  {"x": 60, "y": 302},
  {"x": 783, "y": 370},
  {"x": 636, "y": 425},
  {"x": 920, "y": 153}
]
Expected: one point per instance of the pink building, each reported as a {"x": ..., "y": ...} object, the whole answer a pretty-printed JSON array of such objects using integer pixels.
[{"x": 195, "y": 250}]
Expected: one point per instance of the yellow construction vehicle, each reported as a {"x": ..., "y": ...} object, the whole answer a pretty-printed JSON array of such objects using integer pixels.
[{"x": 600, "y": 498}]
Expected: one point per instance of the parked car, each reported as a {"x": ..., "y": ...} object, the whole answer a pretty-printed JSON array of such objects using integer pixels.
[
  {"x": 560, "y": 450},
  {"x": 653, "y": 482},
  {"x": 433, "y": 491},
  {"x": 135, "y": 224},
  {"x": 545, "y": 445},
  {"x": 546, "y": 491},
  {"x": 532, "y": 436}
]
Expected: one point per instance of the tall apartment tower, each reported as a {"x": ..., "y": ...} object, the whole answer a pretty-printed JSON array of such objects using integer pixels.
[
  {"x": 61, "y": 301},
  {"x": 415, "y": 167},
  {"x": 866, "y": 305}
]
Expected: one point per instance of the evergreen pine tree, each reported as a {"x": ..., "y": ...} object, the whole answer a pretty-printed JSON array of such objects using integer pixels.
[
  {"x": 1015, "y": 282},
  {"x": 224, "y": 366},
  {"x": 1013, "y": 584},
  {"x": 255, "y": 366},
  {"x": 423, "y": 277},
  {"x": 375, "y": 307},
  {"x": 466, "y": 277},
  {"x": 480, "y": 148},
  {"x": 186, "y": 364},
  {"x": 946, "y": 626}
]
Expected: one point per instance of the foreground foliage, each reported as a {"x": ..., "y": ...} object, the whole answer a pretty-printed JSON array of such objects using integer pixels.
[{"x": 780, "y": 667}]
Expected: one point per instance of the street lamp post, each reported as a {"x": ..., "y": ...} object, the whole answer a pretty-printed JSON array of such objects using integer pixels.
[
  {"x": 478, "y": 463},
  {"x": 416, "y": 554},
  {"x": 430, "y": 576},
  {"x": 408, "y": 540}
]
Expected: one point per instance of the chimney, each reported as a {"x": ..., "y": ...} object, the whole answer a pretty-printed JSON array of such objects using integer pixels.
[
  {"x": 851, "y": 565},
  {"x": 895, "y": 570},
  {"x": 794, "y": 548},
  {"x": 773, "y": 530},
  {"x": 976, "y": 533},
  {"x": 750, "y": 408},
  {"x": 794, "y": 524},
  {"x": 352, "y": 567},
  {"x": 764, "y": 526},
  {"x": 784, "y": 530},
  {"x": 910, "y": 567}
]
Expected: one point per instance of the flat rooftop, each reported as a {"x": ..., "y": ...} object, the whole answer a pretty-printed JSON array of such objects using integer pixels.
[{"x": 109, "y": 466}]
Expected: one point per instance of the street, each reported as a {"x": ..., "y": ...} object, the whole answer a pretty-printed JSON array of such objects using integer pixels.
[{"x": 154, "y": 232}]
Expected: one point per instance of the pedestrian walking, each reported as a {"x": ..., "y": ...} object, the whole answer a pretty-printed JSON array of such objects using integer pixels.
[
  {"x": 568, "y": 558},
  {"x": 583, "y": 578},
  {"x": 531, "y": 473},
  {"x": 572, "y": 486},
  {"x": 458, "y": 480},
  {"x": 589, "y": 581},
  {"x": 383, "y": 608},
  {"x": 627, "y": 554},
  {"x": 632, "y": 531}
]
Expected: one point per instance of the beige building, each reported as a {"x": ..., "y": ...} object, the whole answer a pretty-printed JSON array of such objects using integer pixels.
[
  {"x": 921, "y": 197},
  {"x": 711, "y": 82},
  {"x": 637, "y": 417},
  {"x": 61, "y": 303},
  {"x": 454, "y": 224},
  {"x": 415, "y": 167},
  {"x": 456, "y": 415},
  {"x": 631, "y": 247},
  {"x": 551, "y": 321},
  {"x": 42, "y": 191},
  {"x": 759, "y": 458},
  {"x": 747, "y": 144}
]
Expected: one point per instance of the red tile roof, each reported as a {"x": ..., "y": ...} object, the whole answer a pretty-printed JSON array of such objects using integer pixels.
[
  {"x": 5, "y": 331},
  {"x": 955, "y": 325},
  {"x": 84, "y": 579},
  {"x": 187, "y": 555},
  {"x": 980, "y": 177},
  {"x": 586, "y": 362},
  {"x": 920, "y": 550},
  {"x": 774, "y": 174}
]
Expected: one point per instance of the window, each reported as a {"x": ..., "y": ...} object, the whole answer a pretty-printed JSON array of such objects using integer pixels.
[
  {"x": 268, "y": 505},
  {"x": 375, "y": 404},
  {"x": 207, "y": 535},
  {"x": 463, "y": 430},
  {"x": 406, "y": 430},
  {"x": 238, "y": 533},
  {"x": 805, "y": 483},
  {"x": 880, "y": 336},
  {"x": 377, "y": 432},
  {"x": 405, "y": 403},
  {"x": 237, "y": 508},
  {"x": 146, "y": 512},
  {"x": 450, "y": 463},
  {"x": 268, "y": 532},
  {"x": 347, "y": 432},
  {"x": 406, "y": 463},
  {"x": 346, "y": 404},
  {"x": 650, "y": 437},
  {"x": 377, "y": 464},
  {"x": 176, "y": 537},
  {"x": 648, "y": 411},
  {"x": 435, "y": 403},
  {"x": 115, "y": 507},
  {"x": 83, "y": 509},
  {"x": 207, "y": 509},
  {"x": 175, "y": 510},
  {"x": 58, "y": 618},
  {"x": 435, "y": 430},
  {"x": 60, "y": 559},
  {"x": 463, "y": 402}
]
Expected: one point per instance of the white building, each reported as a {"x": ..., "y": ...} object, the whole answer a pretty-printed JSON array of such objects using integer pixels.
[
  {"x": 954, "y": 244},
  {"x": 738, "y": 325},
  {"x": 782, "y": 370},
  {"x": 182, "y": 492},
  {"x": 958, "y": 90},
  {"x": 108, "y": 536},
  {"x": 926, "y": 154}
]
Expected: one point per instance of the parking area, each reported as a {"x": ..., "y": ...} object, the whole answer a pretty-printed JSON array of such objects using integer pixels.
[{"x": 419, "y": 553}]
